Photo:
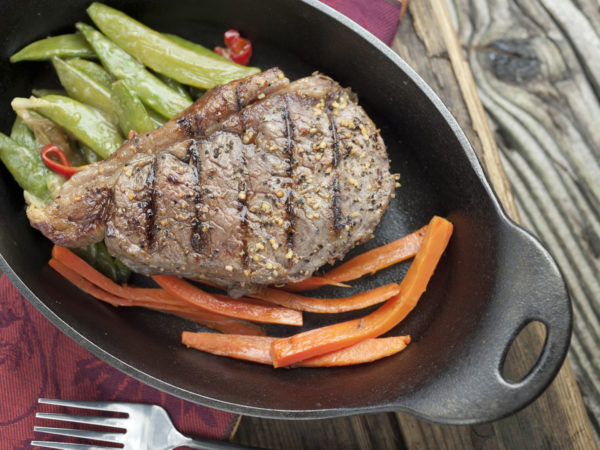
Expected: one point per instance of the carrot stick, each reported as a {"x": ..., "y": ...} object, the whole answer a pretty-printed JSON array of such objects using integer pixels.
[
  {"x": 312, "y": 283},
  {"x": 249, "y": 348},
  {"x": 85, "y": 285},
  {"x": 185, "y": 310},
  {"x": 257, "y": 349},
  {"x": 232, "y": 308},
  {"x": 369, "y": 262},
  {"x": 362, "y": 352},
  {"x": 328, "y": 305},
  {"x": 70, "y": 259},
  {"x": 312, "y": 343}
]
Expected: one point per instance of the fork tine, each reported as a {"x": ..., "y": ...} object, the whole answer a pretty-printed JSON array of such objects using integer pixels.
[
  {"x": 83, "y": 434},
  {"x": 117, "y": 422},
  {"x": 101, "y": 406},
  {"x": 67, "y": 446}
]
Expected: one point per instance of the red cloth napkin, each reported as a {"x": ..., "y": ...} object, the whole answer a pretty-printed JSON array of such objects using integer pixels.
[
  {"x": 380, "y": 17},
  {"x": 37, "y": 360}
]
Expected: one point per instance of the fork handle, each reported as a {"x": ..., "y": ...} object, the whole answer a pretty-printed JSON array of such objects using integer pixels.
[{"x": 207, "y": 444}]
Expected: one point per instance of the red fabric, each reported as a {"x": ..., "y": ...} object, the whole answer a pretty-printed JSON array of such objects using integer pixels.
[
  {"x": 37, "y": 360},
  {"x": 380, "y": 17}
]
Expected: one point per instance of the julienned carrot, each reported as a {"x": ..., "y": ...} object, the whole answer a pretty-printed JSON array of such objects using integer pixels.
[
  {"x": 232, "y": 308},
  {"x": 70, "y": 259},
  {"x": 312, "y": 283},
  {"x": 85, "y": 285},
  {"x": 206, "y": 318},
  {"x": 257, "y": 349},
  {"x": 328, "y": 305},
  {"x": 362, "y": 352},
  {"x": 249, "y": 348},
  {"x": 309, "y": 344},
  {"x": 369, "y": 262}
]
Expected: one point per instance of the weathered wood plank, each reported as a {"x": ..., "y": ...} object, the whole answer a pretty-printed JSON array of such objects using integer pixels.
[
  {"x": 557, "y": 419},
  {"x": 547, "y": 125},
  {"x": 370, "y": 432}
]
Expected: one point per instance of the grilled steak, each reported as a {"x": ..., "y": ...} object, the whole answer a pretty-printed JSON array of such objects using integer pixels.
[{"x": 261, "y": 181}]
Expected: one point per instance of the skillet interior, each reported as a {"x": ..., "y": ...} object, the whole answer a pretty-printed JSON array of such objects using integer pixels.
[{"x": 463, "y": 309}]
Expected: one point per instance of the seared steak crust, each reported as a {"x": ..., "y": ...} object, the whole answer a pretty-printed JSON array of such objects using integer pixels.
[{"x": 261, "y": 181}]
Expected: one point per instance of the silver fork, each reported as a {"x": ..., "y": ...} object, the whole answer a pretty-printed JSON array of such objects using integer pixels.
[{"x": 146, "y": 427}]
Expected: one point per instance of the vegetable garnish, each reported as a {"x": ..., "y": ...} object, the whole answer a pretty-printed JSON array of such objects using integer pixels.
[
  {"x": 309, "y": 344},
  {"x": 62, "y": 166},
  {"x": 239, "y": 49},
  {"x": 328, "y": 305},
  {"x": 178, "y": 291},
  {"x": 257, "y": 349},
  {"x": 367, "y": 263},
  {"x": 346, "y": 343},
  {"x": 233, "y": 308},
  {"x": 175, "y": 307}
]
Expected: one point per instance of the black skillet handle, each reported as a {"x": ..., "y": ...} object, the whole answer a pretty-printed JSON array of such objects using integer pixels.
[{"x": 529, "y": 287}]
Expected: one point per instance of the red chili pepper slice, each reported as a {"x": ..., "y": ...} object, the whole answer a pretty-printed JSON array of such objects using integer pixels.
[
  {"x": 63, "y": 166},
  {"x": 239, "y": 49},
  {"x": 231, "y": 36}
]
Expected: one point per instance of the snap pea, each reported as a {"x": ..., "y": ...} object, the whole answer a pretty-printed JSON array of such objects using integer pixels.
[
  {"x": 123, "y": 272},
  {"x": 26, "y": 166},
  {"x": 129, "y": 109},
  {"x": 84, "y": 89},
  {"x": 121, "y": 65},
  {"x": 44, "y": 92},
  {"x": 22, "y": 134},
  {"x": 89, "y": 155},
  {"x": 64, "y": 46},
  {"x": 84, "y": 122},
  {"x": 47, "y": 132},
  {"x": 195, "y": 47},
  {"x": 97, "y": 255},
  {"x": 163, "y": 55},
  {"x": 196, "y": 92},
  {"x": 176, "y": 86},
  {"x": 93, "y": 70},
  {"x": 157, "y": 119},
  {"x": 106, "y": 263}
]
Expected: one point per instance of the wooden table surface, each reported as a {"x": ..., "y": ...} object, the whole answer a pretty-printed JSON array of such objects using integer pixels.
[{"x": 534, "y": 65}]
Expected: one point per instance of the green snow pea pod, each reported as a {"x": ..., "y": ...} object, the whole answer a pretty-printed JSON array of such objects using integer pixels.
[
  {"x": 44, "y": 92},
  {"x": 130, "y": 110},
  {"x": 25, "y": 166},
  {"x": 97, "y": 256},
  {"x": 195, "y": 47},
  {"x": 157, "y": 119},
  {"x": 65, "y": 46},
  {"x": 93, "y": 70},
  {"x": 84, "y": 89},
  {"x": 87, "y": 124},
  {"x": 176, "y": 86},
  {"x": 22, "y": 134},
  {"x": 89, "y": 155},
  {"x": 163, "y": 55},
  {"x": 123, "y": 272},
  {"x": 121, "y": 65}
]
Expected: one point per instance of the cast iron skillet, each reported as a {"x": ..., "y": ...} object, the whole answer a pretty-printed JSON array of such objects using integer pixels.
[{"x": 494, "y": 279}]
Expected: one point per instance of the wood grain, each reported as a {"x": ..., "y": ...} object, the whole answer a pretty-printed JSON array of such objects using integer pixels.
[
  {"x": 525, "y": 119},
  {"x": 558, "y": 417}
]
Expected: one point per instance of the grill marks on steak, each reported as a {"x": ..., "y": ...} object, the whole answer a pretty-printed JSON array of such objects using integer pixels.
[{"x": 259, "y": 182}]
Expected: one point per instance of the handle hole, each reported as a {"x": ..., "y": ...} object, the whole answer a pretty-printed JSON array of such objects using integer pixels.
[{"x": 524, "y": 351}]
